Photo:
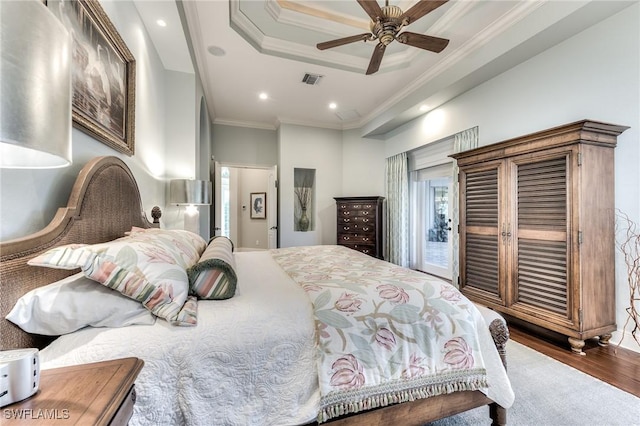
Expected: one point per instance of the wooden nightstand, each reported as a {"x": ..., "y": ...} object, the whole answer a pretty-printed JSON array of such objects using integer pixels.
[{"x": 100, "y": 393}]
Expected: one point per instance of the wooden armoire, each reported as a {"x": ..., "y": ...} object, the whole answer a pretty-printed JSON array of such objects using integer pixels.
[{"x": 537, "y": 225}]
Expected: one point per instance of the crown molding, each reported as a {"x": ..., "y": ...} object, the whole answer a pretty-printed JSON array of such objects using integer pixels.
[
  {"x": 249, "y": 124},
  {"x": 300, "y": 15},
  {"x": 308, "y": 123},
  {"x": 291, "y": 15},
  {"x": 506, "y": 21}
]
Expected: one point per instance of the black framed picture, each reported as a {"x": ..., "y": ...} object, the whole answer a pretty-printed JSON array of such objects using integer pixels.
[{"x": 258, "y": 205}]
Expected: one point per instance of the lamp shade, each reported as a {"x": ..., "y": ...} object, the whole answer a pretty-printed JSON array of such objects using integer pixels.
[
  {"x": 35, "y": 87},
  {"x": 189, "y": 191}
]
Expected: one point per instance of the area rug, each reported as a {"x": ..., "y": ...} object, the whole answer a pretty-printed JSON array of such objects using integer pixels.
[{"x": 550, "y": 393}]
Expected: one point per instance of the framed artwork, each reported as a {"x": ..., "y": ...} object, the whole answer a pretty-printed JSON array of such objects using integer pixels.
[
  {"x": 258, "y": 205},
  {"x": 103, "y": 74}
]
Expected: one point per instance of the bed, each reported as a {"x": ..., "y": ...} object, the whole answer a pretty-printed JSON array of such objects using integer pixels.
[{"x": 255, "y": 358}]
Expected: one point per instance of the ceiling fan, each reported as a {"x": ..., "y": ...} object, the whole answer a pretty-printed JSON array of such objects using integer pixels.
[{"x": 386, "y": 24}]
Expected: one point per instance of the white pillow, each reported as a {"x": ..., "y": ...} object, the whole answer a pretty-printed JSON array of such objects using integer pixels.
[{"x": 73, "y": 303}]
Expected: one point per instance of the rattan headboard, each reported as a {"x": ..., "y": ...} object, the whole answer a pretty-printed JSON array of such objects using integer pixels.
[{"x": 104, "y": 203}]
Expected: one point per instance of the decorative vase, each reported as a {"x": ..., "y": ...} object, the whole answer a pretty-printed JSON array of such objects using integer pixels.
[{"x": 303, "y": 222}]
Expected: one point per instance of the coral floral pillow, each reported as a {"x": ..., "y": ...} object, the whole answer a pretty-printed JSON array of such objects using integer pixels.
[{"x": 148, "y": 266}]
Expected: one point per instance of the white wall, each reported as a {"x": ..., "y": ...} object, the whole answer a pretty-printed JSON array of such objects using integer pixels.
[
  {"x": 29, "y": 198},
  {"x": 252, "y": 233},
  {"x": 593, "y": 75},
  {"x": 361, "y": 171},
  {"x": 309, "y": 148},
  {"x": 350, "y": 167},
  {"x": 244, "y": 145},
  {"x": 180, "y": 132}
]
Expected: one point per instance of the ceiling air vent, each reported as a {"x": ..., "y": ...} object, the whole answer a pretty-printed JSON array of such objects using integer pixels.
[{"x": 311, "y": 79}]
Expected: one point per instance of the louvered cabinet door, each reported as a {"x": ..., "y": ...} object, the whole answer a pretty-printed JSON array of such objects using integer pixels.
[
  {"x": 481, "y": 273},
  {"x": 554, "y": 234},
  {"x": 542, "y": 194}
]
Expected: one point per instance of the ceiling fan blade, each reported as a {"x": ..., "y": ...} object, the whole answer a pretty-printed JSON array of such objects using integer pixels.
[
  {"x": 376, "y": 58},
  {"x": 341, "y": 41},
  {"x": 434, "y": 44},
  {"x": 420, "y": 9},
  {"x": 372, "y": 8}
]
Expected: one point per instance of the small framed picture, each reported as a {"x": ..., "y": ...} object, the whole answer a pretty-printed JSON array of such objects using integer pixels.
[{"x": 258, "y": 205}]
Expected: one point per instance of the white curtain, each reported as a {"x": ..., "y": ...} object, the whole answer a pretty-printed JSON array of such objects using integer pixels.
[
  {"x": 463, "y": 141},
  {"x": 397, "y": 197}
]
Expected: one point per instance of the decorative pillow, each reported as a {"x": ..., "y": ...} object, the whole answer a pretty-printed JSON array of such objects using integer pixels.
[
  {"x": 148, "y": 266},
  {"x": 214, "y": 276},
  {"x": 74, "y": 303}
]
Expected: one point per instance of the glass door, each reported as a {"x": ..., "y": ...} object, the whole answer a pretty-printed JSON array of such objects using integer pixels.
[
  {"x": 224, "y": 206},
  {"x": 431, "y": 230}
]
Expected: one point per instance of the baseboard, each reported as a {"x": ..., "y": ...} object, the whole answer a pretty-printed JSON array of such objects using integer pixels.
[{"x": 625, "y": 340}]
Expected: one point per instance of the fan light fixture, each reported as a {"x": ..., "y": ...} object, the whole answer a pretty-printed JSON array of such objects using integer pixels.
[
  {"x": 387, "y": 24},
  {"x": 35, "y": 130}
]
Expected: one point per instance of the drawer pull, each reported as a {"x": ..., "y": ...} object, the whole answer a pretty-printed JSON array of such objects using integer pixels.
[
  {"x": 346, "y": 213},
  {"x": 346, "y": 220},
  {"x": 365, "y": 220},
  {"x": 368, "y": 206},
  {"x": 345, "y": 237},
  {"x": 365, "y": 229},
  {"x": 365, "y": 212},
  {"x": 346, "y": 228},
  {"x": 343, "y": 206},
  {"x": 356, "y": 206}
]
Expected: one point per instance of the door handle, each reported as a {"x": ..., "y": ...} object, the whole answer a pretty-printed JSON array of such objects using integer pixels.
[{"x": 273, "y": 228}]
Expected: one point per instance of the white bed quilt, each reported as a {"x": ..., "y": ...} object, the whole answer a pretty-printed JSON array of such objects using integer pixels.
[{"x": 249, "y": 361}]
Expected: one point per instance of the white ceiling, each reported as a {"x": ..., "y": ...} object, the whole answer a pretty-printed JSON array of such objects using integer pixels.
[{"x": 270, "y": 44}]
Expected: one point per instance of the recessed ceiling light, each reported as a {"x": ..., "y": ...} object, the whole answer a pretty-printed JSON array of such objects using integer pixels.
[
  {"x": 263, "y": 96},
  {"x": 161, "y": 23},
  {"x": 424, "y": 107},
  {"x": 216, "y": 50},
  {"x": 333, "y": 105}
]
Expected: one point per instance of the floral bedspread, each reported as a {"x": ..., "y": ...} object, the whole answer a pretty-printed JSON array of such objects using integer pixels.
[{"x": 385, "y": 334}]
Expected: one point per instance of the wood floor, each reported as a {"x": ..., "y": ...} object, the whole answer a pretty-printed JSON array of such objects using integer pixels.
[{"x": 617, "y": 366}]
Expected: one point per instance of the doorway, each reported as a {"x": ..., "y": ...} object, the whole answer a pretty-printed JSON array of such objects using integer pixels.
[
  {"x": 234, "y": 188},
  {"x": 431, "y": 191}
]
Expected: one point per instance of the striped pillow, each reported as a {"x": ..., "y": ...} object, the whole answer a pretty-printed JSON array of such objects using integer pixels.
[{"x": 214, "y": 276}]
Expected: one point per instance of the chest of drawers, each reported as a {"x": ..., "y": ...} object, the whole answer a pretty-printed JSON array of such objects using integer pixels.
[{"x": 359, "y": 224}]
